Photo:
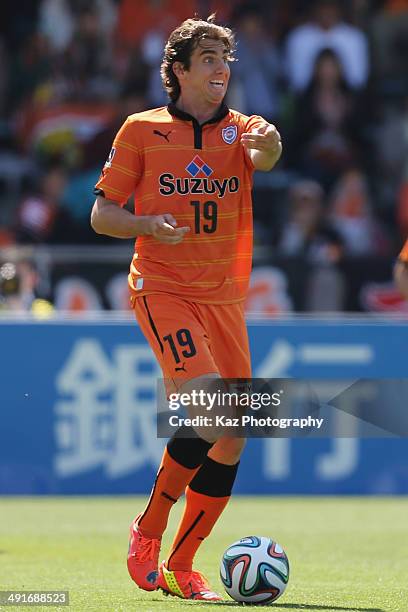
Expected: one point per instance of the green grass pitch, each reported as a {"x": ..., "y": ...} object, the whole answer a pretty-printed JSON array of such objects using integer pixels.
[{"x": 346, "y": 554}]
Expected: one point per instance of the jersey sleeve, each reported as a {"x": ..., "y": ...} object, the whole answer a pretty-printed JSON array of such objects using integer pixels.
[
  {"x": 403, "y": 256},
  {"x": 124, "y": 167},
  {"x": 253, "y": 122}
]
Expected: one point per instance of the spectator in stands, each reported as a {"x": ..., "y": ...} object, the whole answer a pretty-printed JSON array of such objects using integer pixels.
[
  {"x": 40, "y": 216},
  {"x": 56, "y": 22},
  {"x": 9, "y": 286},
  {"x": 402, "y": 211},
  {"x": 18, "y": 22},
  {"x": 389, "y": 33},
  {"x": 256, "y": 74},
  {"x": 350, "y": 212},
  {"x": 57, "y": 19},
  {"x": 308, "y": 233},
  {"x": 29, "y": 69},
  {"x": 310, "y": 236},
  {"x": 19, "y": 284},
  {"x": 6, "y": 237},
  {"x": 327, "y": 133},
  {"x": 4, "y": 78},
  {"x": 89, "y": 57},
  {"x": 391, "y": 146},
  {"x": 401, "y": 271},
  {"x": 326, "y": 30}
]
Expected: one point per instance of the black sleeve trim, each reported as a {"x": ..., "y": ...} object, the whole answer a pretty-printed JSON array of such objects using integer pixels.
[{"x": 99, "y": 192}]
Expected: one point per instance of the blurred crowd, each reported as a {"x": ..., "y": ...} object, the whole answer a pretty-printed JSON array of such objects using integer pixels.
[{"x": 331, "y": 75}]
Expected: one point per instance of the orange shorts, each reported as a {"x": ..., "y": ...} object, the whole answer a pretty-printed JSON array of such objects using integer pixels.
[{"x": 191, "y": 340}]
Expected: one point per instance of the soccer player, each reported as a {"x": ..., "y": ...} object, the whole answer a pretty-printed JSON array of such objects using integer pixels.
[
  {"x": 401, "y": 271},
  {"x": 190, "y": 166}
]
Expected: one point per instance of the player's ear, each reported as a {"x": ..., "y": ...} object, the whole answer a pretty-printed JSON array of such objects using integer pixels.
[{"x": 178, "y": 69}]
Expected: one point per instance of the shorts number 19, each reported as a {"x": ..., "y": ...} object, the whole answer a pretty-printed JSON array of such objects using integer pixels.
[{"x": 184, "y": 339}]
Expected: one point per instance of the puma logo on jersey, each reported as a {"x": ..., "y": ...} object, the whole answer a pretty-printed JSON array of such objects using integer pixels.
[
  {"x": 108, "y": 163},
  {"x": 166, "y": 136}
]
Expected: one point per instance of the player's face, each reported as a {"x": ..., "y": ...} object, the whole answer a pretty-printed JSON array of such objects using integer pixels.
[{"x": 209, "y": 73}]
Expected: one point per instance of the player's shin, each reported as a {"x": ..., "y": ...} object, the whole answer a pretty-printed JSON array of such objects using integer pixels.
[
  {"x": 181, "y": 459},
  {"x": 206, "y": 497}
]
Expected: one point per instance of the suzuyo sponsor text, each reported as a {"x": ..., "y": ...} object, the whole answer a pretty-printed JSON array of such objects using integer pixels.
[{"x": 170, "y": 185}]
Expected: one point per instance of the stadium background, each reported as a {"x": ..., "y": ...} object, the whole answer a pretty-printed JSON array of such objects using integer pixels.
[{"x": 329, "y": 221}]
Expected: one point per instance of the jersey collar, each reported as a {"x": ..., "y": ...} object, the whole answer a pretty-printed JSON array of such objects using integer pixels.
[{"x": 219, "y": 115}]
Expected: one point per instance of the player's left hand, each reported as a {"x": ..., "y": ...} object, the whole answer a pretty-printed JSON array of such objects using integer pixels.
[{"x": 265, "y": 138}]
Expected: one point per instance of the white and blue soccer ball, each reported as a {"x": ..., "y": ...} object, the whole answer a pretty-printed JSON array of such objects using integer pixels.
[{"x": 254, "y": 570}]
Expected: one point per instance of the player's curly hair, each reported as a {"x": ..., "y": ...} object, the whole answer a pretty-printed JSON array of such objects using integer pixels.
[{"x": 181, "y": 44}]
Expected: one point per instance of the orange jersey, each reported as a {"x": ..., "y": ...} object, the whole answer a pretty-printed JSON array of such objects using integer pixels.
[
  {"x": 202, "y": 176},
  {"x": 403, "y": 256}
]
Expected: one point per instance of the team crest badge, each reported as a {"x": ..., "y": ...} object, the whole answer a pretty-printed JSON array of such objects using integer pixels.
[{"x": 229, "y": 134}]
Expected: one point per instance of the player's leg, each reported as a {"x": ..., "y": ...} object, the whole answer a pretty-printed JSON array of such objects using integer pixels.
[
  {"x": 207, "y": 495},
  {"x": 159, "y": 318},
  {"x": 210, "y": 490}
]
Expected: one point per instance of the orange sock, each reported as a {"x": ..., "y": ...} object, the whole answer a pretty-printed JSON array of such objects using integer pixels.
[
  {"x": 200, "y": 515},
  {"x": 171, "y": 480}
]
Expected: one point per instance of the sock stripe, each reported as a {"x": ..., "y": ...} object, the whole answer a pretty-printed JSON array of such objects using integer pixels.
[
  {"x": 169, "y": 497},
  {"x": 151, "y": 495},
  {"x": 186, "y": 534}
]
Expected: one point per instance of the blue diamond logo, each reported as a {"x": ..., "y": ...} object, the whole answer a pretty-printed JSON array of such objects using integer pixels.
[
  {"x": 207, "y": 170},
  {"x": 193, "y": 169}
]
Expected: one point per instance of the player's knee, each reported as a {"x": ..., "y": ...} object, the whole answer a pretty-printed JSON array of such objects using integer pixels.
[
  {"x": 202, "y": 392},
  {"x": 206, "y": 434},
  {"x": 227, "y": 450}
]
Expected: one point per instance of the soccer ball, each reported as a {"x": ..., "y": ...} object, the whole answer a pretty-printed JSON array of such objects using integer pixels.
[{"x": 254, "y": 570}]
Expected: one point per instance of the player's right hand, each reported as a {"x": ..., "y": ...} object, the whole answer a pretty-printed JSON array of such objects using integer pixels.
[{"x": 164, "y": 229}]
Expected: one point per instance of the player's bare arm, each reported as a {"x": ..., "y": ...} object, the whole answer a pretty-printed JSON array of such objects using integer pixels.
[
  {"x": 110, "y": 219},
  {"x": 264, "y": 146},
  {"x": 401, "y": 277}
]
